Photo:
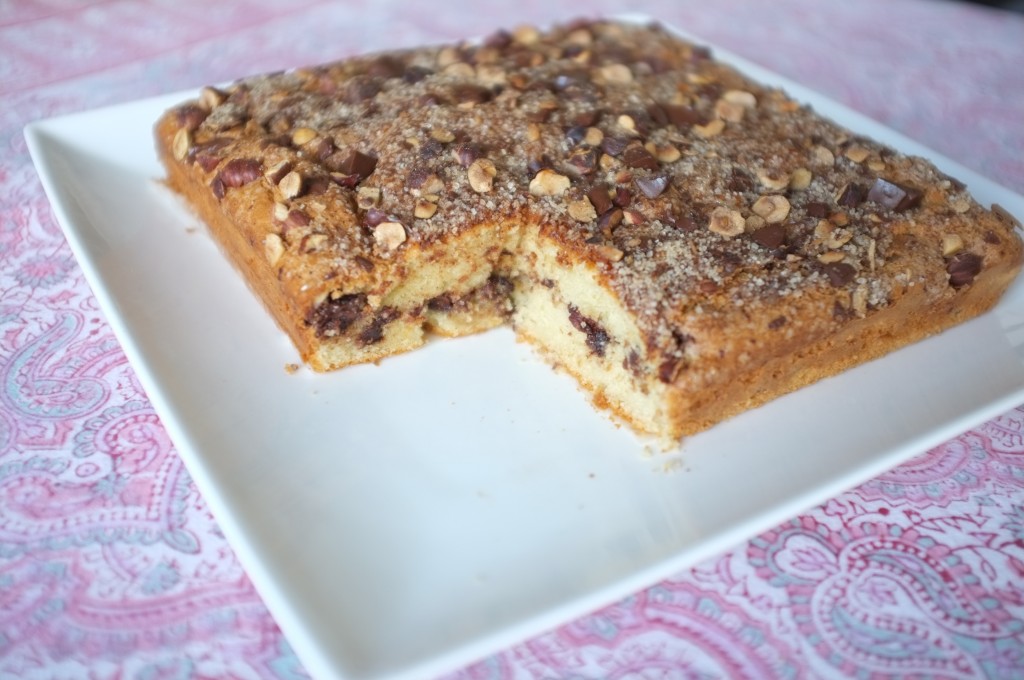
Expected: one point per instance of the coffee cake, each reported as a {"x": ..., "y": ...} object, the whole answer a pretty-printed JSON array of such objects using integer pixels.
[{"x": 686, "y": 242}]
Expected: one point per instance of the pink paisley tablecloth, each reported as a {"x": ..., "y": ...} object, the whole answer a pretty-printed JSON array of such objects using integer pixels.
[{"x": 111, "y": 566}]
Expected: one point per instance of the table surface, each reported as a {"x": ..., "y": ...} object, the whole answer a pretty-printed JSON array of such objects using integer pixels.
[{"x": 104, "y": 574}]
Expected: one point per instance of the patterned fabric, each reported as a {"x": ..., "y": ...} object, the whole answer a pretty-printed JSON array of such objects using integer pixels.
[{"x": 111, "y": 565}]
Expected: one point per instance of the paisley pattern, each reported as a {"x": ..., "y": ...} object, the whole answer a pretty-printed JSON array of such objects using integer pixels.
[{"x": 111, "y": 565}]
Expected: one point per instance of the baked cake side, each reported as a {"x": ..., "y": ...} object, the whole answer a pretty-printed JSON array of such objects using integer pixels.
[{"x": 686, "y": 242}]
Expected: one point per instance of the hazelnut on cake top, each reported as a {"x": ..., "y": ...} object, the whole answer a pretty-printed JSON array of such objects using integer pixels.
[{"x": 686, "y": 242}]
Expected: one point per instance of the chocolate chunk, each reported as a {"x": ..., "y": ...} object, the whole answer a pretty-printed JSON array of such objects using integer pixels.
[
  {"x": 623, "y": 197},
  {"x": 334, "y": 316},
  {"x": 962, "y": 268},
  {"x": 636, "y": 156},
  {"x": 893, "y": 196},
  {"x": 360, "y": 88},
  {"x": 652, "y": 187},
  {"x": 386, "y": 66},
  {"x": 841, "y": 313},
  {"x": 682, "y": 116},
  {"x": 1005, "y": 217},
  {"x": 770, "y": 236},
  {"x": 191, "y": 116},
  {"x": 414, "y": 74},
  {"x": 777, "y": 323},
  {"x": 686, "y": 223},
  {"x": 324, "y": 148},
  {"x": 600, "y": 199},
  {"x": 217, "y": 185},
  {"x": 500, "y": 39},
  {"x": 374, "y": 216},
  {"x": 852, "y": 196},
  {"x": 632, "y": 363},
  {"x": 539, "y": 115},
  {"x": 535, "y": 163},
  {"x": 466, "y": 152},
  {"x": 817, "y": 209},
  {"x": 471, "y": 94},
  {"x": 374, "y": 332},
  {"x": 658, "y": 114},
  {"x": 839, "y": 273},
  {"x": 315, "y": 186},
  {"x": 740, "y": 181},
  {"x": 597, "y": 337},
  {"x": 358, "y": 163},
  {"x": 586, "y": 118},
  {"x": 610, "y": 219},
  {"x": 583, "y": 161},
  {"x": 576, "y": 133},
  {"x": 240, "y": 171},
  {"x": 613, "y": 146},
  {"x": 990, "y": 237},
  {"x": 430, "y": 149}
]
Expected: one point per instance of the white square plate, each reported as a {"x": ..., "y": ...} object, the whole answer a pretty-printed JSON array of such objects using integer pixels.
[{"x": 403, "y": 519}]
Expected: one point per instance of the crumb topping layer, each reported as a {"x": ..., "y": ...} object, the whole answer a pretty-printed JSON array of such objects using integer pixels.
[{"x": 692, "y": 190}]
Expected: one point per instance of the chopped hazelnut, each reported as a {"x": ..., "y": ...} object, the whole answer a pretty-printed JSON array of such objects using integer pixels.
[
  {"x": 549, "y": 183},
  {"x": 830, "y": 257},
  {"x": 712, "y": 129},
  {"x": 740, "y": 97},
  {"x": 582, "y": 210},
  {"x": 626, "y": 123},
  {"x": 801, "y": 179},
  {"x": 273, "y": 248},
  {"x": 609, "y": 253},
  {"x": 210, "y": 98},
  {"x": 727, "y": 223},
  {"x": 291, "y": 184},
  {"x": 313, "y": 242},
  {"x": 490, "y": 75},
  {"x": 666, "y": 153},
  {"x": 773, "y": 180},
  {"x": 960, "y": 205},
  {"x": 822, "y": 156},
  {"x": 823, "y": 229},
  {"x": 533, "y": 132},
  {"x": 459, "y": 69},
  {"x": 526, "y": 35},
  {"x": 754, "y": 222},
  {"x": 729, "y": 111},
  {"x": 838, "y": 238},
  {"x": 303, "y": 135},
  {"x": 389, "y": 235},
  {"x": 616, "y": 74},
  {"x": 593, "y": 136},
  {"x": 424, "y": 209},
  {"x": 481, "y": 175},
  {"x": 951, "y": 244},
  {"x": 181, "y": 144},
  {"x": 367, "y": 197},
  {"x": 773, "y": 208},
  {"x": 442, "y": 135},
  {"x": 857, "y": 153}
]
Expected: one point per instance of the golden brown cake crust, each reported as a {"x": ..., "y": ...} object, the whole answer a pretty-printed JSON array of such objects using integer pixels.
[{"x": 754, "y": 246}]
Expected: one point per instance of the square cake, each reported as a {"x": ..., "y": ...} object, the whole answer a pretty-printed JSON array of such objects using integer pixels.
[{"x": 684, "y": 241}]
